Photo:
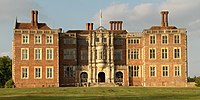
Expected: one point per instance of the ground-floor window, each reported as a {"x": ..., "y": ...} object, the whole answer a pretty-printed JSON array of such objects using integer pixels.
[
  {"x": 69, "y": 71},
  {"x": 119, "y": 77},
  {"x": 134, "y": 71}
]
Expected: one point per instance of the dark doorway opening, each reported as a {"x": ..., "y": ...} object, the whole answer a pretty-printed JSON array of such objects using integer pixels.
[
  {"x": 101, "y": 77},
  {"x": 84, "y": 77}
]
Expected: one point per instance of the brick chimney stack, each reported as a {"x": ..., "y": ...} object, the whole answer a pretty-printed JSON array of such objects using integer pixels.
[
  {"x": 164, "y": 16},
  {"x": 34, "y": 21},
  {"x": 116, "y": 25},
  {"x": 89, "y": 26}
]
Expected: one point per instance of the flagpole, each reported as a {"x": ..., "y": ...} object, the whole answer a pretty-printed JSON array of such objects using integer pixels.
[{"x": 100, "y": 18}]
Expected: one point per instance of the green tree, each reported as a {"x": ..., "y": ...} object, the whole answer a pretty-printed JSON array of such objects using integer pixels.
[
  {"x": 5, "y": 70},
  {"x": 197, "y": 81}
]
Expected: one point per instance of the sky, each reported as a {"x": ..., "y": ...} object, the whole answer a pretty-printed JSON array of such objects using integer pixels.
[{"x": 135, "y": 14}]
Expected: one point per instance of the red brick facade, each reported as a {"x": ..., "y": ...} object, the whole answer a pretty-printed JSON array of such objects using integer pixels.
[{"x": 154, "y": 57}]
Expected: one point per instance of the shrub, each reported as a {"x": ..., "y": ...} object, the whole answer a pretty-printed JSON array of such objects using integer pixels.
[
  {"x": 197, "y": 81},
  {"x": 9, "y": 84}
]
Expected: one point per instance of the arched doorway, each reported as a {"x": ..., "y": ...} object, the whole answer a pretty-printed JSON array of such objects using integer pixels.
[
  {"x": 83, "y": 77},
  {"x": 119, "y": 77},
  {"x": 101, "y": 77}
]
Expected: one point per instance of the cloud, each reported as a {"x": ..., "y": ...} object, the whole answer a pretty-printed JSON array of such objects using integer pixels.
[
  {"x": 183, "y": 14},
  {"x": 10, "y": 9}
]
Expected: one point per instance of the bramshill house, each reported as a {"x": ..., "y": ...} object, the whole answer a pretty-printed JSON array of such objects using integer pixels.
[{"x": 46, "y": 57}]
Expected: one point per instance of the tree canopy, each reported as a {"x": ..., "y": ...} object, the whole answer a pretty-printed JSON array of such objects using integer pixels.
[{"x": 5, "y": 70}]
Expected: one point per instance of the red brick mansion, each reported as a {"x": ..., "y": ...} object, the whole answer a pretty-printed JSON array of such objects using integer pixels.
[{"x": 46, "y": 57}]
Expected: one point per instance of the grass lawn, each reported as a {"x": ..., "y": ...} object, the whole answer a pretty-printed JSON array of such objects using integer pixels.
[{"x": 101, "y": 93}]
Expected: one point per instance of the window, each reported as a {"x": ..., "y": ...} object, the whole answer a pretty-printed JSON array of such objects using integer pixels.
[
  {"x": 133, "y": 41},
  {"x": 164, "y": 39},
  {"x": 176, "y": 39},
  {"x": 136, "y": 71},
  {"x": 38, "y": 53},
  {"x": 69, "y": 53},
  {"x": 152, "y": 71},
  {"x": 104, "y": 40},
  {"x": 69, "y": 41},
  {"x": 49, "y": 72},
  {"x": 82, "y": 42},
  {"x": 84, "y": 55},
  {"x": 117, "y": 54},
  {"x": 25, "y": 39},
  {"x": 177, "y": 70},
  {"x": 118, "y": 41},
  {"x": 152, "y": 53},
  {"x": 49, "y": 39},
  {"x": 38, "y": 39},
  {"x": 38, "y": 72},
  {"x": 165, "y": 70},
  {"x": 24, "y": 72},
  {"x": 152, "y": 39},
  {"x": 177, "y": 53},
  {"x": 133, "y": 53},
  {"x": 96, "y": 39},
  {"x": 49, "y": 53},
  {"x": 164, "y": 53},
  {"x": 69, "y": 71},
  {"x": 24, "y": 53}
]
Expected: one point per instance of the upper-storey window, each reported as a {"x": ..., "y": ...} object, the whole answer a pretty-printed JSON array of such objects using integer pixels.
[
  {"x": 164, "y": 53},
  {"x": 25, "y": 39},
  {"x": 118, "y": 41},
  {"x": 49, "y": 53},
  {"x": 104, "y": 40},
  {"x": 49, "y": 39},
  {"x": 69, "y": 54},
  {"x": 84, "y": 55},
  {"x": 133, "y": 53},
  {"x": 96, "y": 39},
  {"x": 164, "y": 39},
  {"x": 117, "y": 54},
  {"x": 133, "y": 41},
  {"x": 176, "y": 39},
  {"x": 177, "y": 53},
  {"x": 69, "y": 41},
  {"x": 38, "y": 39},
  {"x": 152, "y": 39},
  {"x": 24, "y": 53},
  {"x": 152, "y": 53},
  {"x": 82, "y": 42},
  {"x": 38, "y": 53}
]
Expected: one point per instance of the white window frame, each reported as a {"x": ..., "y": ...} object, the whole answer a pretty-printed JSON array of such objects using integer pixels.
[
  {"x": 163, "y": 41},
  {"x": 175, "y": 53},
  {"x": 23, "y": 53},
  {"x": 150, "y": 53},
  {"x": 40, "y": 67},
  {"x": 47, "y": 54},
  {"x": 49, "y": 39},
  {"x": 150, "y": 71},
  {"x": 164, "y": 53},
  {"x": 38, "y": 40},
  {"x": 174, "y": 39},
  {"x": 136, "y": 71},
  {"x": 25, "y": 40},
  {"x": 49, "y": 67},
  {"x": 177, "y": 71},
  {"x": 165, "y": 70},
  {"x": 25, "y": 67},
  {"x": 40, "y": 49},
  {"x": 152, "y": 41}
]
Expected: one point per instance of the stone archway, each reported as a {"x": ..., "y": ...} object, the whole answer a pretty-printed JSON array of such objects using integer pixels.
[
  {"x": 83, "y": 77},
  {"x": 101, "y": 77},
  {"x": 119, "y": 76}
]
